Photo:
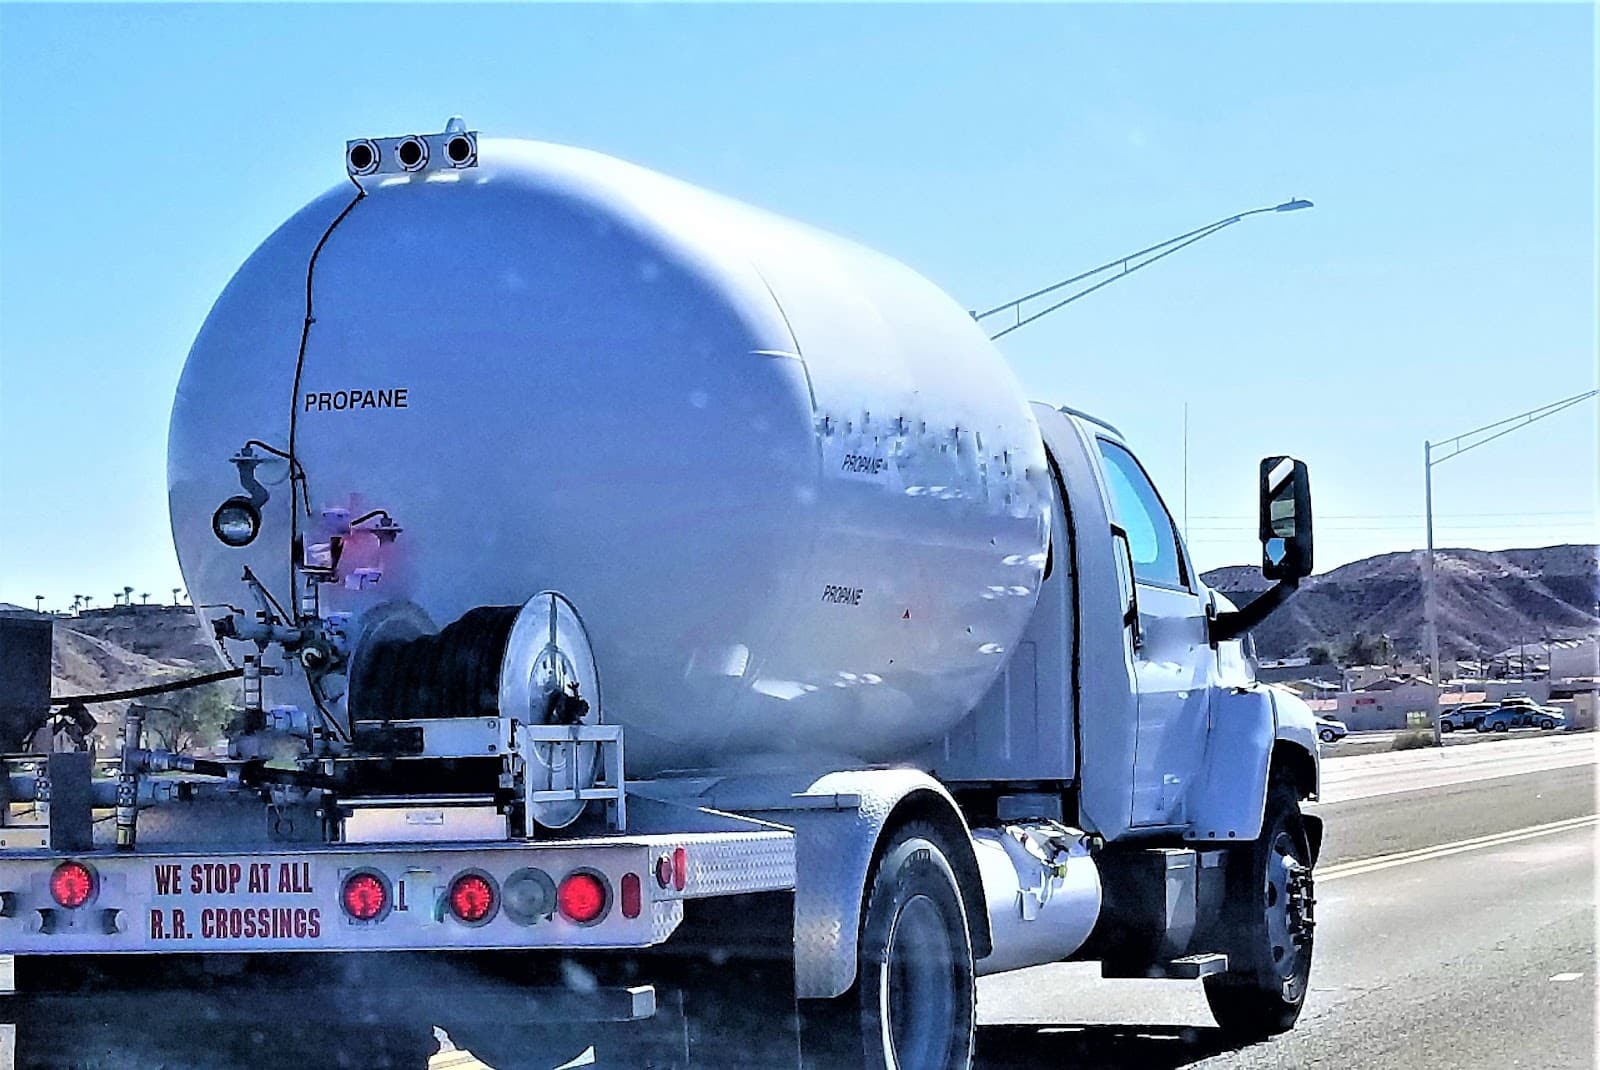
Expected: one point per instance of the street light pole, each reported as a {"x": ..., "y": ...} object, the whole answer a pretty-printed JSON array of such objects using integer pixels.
[
  {"x": 1429, "y": 609},
  {"x": 1151, "y": 254},
  {"x": 1457, "y": 446}
]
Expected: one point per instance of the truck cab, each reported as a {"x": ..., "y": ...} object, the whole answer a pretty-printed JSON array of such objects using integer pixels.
[{"x": 1125, "y": 689}]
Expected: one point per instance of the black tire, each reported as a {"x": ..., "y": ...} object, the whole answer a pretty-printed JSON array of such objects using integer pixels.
[
  {"x": 1546, "y": 725},
  {"x": 914, "y": 1003},
  {"x": 1264, "y": 988},
  {"x": 1447, "y": 726},
  {"x": 1327, "y": 735},
  {"x": 1502, "y": 726}
]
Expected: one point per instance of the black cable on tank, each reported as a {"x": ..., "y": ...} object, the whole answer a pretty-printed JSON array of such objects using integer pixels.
[{"x": 294, "y": 407}]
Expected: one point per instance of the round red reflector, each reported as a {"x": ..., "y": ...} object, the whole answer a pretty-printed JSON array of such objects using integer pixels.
[
  {"x": 582, "y": 897},
  {"x": 71, "y": 884},
  {"x": 365, "y": 896},
  {"x": 631, "y": 895},
  {"x": 471, "y": 898}
]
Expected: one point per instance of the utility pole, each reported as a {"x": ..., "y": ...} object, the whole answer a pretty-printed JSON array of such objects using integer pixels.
[
  {"x": 1186, "y": 471},
  {"x": 1454, "y": 447}
]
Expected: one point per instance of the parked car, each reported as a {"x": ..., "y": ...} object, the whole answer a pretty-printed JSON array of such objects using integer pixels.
[
  {"x": 1331, "y": 729},
  {"x": 1466, "y": 715},
  {"x": 1522, "y": 715}
]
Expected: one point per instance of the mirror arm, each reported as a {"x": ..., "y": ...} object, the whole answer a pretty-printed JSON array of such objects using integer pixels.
[{"x": 1231, "y": 625}]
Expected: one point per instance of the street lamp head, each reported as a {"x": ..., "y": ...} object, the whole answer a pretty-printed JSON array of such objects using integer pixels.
[{"x": 1293, "y": 206}]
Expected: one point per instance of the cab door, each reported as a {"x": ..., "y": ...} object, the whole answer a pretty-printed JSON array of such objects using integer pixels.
[{"x": 1169, "y": 643}]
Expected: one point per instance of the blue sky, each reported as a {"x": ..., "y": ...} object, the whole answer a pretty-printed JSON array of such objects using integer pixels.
[{"x": 1445, "y": 279}]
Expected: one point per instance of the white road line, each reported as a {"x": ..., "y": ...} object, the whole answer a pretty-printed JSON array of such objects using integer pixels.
[
  {"x": 1444, "y": 850},
  {"x": 1566, "y": 977}
]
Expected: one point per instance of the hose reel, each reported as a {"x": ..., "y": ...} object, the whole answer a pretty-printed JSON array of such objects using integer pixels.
[{"x": 532, "y": 663}]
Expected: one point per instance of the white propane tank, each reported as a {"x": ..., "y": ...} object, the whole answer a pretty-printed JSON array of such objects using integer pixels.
[{"x": 795, "y": 493}]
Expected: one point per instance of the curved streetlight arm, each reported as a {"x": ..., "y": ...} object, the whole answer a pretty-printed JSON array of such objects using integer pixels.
[
  {"x": 1161, "y": 249},
  {"x": 1024, "y": 321},
  {"x": 1502, "y": 427},
  {"x": 1490, "y": 432}
]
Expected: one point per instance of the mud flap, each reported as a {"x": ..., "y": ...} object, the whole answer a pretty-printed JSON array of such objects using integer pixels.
[{"x": 1313, "y": 827}]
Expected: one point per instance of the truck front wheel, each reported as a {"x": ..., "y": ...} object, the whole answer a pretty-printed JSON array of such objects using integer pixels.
[
  {"x": 913, "y": 1006},
  {"x": 1269, "y": 926}
]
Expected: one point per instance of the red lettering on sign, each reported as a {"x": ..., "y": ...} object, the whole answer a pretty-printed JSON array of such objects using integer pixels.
[
  {"x": 260, "y": 923},
  {"x": 169, "y": 879},
  {"x": 294, "y": 877}
]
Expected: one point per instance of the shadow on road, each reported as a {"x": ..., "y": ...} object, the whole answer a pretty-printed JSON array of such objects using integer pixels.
[
  {"x": 393, "y": 1012},
  {"x": 1146, "y": 1047}
]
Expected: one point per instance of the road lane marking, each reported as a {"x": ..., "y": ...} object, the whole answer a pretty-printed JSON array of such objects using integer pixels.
[
  {"x": 1567, "y": 977},
  {"x": 1444, "y": 850}
]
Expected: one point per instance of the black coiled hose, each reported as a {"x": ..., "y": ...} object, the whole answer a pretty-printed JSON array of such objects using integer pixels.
[{"x": 455, "y": 673}]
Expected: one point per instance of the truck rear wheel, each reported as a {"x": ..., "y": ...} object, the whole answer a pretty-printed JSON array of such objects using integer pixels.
[
  {"x": 913, "y": 1006},
  {"x": 1269, "y": 922}
]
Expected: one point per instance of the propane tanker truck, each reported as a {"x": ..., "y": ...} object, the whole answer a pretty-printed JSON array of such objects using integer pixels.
[{"x": 598, "y": 553}]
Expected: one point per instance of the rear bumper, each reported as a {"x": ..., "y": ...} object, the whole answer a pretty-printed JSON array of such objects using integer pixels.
[{"x": 289, "y": 900}]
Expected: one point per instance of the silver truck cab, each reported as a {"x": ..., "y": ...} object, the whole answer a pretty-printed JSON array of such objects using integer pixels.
[{"x": 1126, "y": 685}]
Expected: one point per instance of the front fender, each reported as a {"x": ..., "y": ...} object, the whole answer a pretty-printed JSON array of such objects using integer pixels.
[
  {"x": 1251, "y": 727},
  {"x": 1297, "y": 729}
]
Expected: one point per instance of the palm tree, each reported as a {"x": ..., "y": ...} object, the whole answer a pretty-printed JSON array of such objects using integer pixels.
[
  {"x": 145, "y": 597},
  {"x": 176, "y": 591},
  {"x": 127, "y": 596},
  {"x": 38, "y": 603}
]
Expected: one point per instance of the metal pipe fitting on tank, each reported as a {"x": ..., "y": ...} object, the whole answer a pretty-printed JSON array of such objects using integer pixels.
[
  {"x": 127, "y": 815},
  {"x": 290, "y": 720}
]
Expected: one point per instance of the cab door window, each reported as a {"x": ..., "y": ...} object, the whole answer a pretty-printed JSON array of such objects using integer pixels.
[{"x": 1152, "y": 536}]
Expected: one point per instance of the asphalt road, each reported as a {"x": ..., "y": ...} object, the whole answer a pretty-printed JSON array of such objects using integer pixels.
[
  {"x": 1456, "y": 914},
  {"x": 1456, "y": 922}
]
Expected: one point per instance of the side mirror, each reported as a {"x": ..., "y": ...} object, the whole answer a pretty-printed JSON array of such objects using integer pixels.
[{"x": 1285, "y": 519}]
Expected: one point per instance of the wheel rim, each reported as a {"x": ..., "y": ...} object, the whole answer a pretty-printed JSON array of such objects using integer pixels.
[
  {"x": 1289, "y": 900},
  {"x": 916, "y": 997}
]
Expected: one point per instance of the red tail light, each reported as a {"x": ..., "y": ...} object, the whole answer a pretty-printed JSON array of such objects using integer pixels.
[
  {"x": 72, "y": 884},
  {"x": 632, "y": 900},
  {"x": 472, "y": 898},
  {"x": 583, "y": 897},
  {"x": 680, "y": 868},
  {"x": 365, "y": 895}
]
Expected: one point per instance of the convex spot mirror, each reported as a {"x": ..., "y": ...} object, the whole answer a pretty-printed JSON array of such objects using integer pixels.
[{"x": 1285, "y": 519}]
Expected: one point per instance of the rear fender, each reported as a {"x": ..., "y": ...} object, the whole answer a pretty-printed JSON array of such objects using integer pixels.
[{"x": 840, "y": 820}]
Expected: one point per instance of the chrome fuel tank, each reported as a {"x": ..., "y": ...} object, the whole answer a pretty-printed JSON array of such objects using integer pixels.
[{"x": 795, "y": 493}]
